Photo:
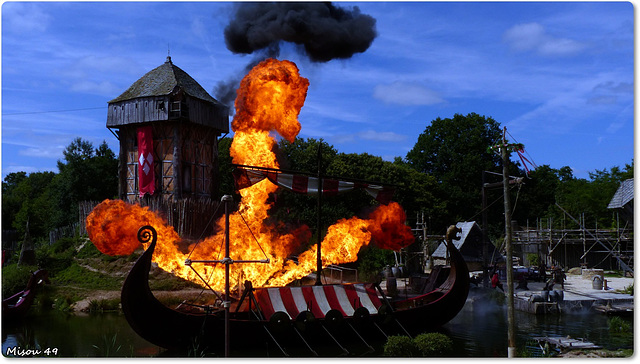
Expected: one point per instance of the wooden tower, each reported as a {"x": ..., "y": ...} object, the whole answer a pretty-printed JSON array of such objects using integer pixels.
[{"x": 179, "y": 123}]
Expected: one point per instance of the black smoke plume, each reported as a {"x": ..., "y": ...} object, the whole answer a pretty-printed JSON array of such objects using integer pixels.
[{"x": 321, "y": 32}]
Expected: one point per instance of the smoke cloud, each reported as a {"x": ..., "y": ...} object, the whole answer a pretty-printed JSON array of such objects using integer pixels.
[{"x": 321, "y": 31}]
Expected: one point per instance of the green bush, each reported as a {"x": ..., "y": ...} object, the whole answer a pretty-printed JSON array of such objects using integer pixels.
[
  {"x": 104, "y": 305},
  {"x": 63, "y": 303},
  {"x": 15, "y": 279},
  {"x": 618, "y": 325},
  {"x": 400, "y": 346},
  {"x": 533, "y": 259},
  {"x": 54, "y": 263},
  {"x": 434, "y": 344},
  {"x": 63, "y": 244}
]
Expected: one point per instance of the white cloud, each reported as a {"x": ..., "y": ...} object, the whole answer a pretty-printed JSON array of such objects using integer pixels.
[
  {"x": 381, "y": 136},
  {"x": 406, "y": 94},
  {"x": 43, "y": 152},
  {"x": 24, "y": 18},
  {"x": 615, "y": 126},
  {"x": 97, "y": 88},
  {"x": 369, "y": 135},
  {"x": 532, "y": 37}
]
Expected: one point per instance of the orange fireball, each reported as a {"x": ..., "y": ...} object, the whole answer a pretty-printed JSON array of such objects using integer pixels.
[{"x": 269, "y": 99}]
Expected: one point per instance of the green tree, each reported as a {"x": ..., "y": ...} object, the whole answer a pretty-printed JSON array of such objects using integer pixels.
[
  {"x": 302, "y": 156},
  {"x": 455, "y": 152},
  {"x": 414, "y": 191},
  {"x": 537, "y": 196},
  {"x": 27, "y": 198},
  {"x": 11, "y": 202},
  {"x": 84, "y": 174},
  {"x": 592, "y": 196},
  {"x": 546, "y": 186}
]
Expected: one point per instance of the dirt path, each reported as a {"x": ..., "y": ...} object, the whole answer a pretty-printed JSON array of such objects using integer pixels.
[{"x": 98, "y": 295}]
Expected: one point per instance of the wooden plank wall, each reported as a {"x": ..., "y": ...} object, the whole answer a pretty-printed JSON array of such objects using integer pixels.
[
  {"x": 140, "y": 110},
  {"x": 156, "y": 108}
]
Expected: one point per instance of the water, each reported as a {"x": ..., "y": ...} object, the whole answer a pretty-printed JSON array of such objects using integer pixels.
[
  {"x": 98, "y": 335},
  {"x": 479, "y": 330}
]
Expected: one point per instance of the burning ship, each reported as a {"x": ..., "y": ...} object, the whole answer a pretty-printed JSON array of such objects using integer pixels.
[{"x": 249, "y": 253}]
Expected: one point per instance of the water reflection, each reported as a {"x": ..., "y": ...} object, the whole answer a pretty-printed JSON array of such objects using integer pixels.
[
  {"x": 77, "y": 335},
  {"x": 479, "y": 330}
]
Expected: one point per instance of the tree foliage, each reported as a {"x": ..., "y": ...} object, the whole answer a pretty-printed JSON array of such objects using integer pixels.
[
  {"x": 413, "y": 190},
  {"x": 454, "y": 151},
  {"x": 27, "y": 198},
  {"x": 48, "y": 200},
  {"x": 84, "y": 174}
]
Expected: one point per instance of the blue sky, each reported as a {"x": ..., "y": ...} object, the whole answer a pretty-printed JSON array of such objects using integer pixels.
[{"x": 559, "y": 76}]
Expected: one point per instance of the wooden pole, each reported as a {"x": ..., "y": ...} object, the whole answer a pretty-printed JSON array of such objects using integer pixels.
[
  {"x": 226, "y": 199},
  {"x": 485, "y": 240},
  {"x": 511, "y": 350},
  {"x": 319, "y": 220}
]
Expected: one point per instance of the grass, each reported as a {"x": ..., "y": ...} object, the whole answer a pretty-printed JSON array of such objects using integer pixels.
[
  {"x": 77, "y": 267},
  {"x": 111, "y": 347},
  {"x": 104, "y": 305},
  {"x": 83, "y": 278},
  {"x": 619, "y": 326},
  {"x": 627, "y": 290},
  {"x": 614, "y": 273},
  {"x": 601, "y": 353}
]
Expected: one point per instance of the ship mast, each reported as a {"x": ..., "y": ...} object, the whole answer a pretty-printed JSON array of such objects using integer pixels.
[{"x": 319, "y": 221}]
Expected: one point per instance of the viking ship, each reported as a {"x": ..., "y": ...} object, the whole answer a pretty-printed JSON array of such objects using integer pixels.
[
  {"x": 18, "y": 304},
  {"x": 295, "y": 315}
]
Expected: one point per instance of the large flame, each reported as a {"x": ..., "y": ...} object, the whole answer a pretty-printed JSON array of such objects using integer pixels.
[{"x": 269, "y": 99}]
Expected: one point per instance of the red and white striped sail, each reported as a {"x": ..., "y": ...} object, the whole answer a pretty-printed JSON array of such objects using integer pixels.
[
  {"x": 309, "y": 185},
  {"x": 318, "y": 300}
]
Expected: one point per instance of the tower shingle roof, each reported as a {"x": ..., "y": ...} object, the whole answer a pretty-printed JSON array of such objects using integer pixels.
[{"x": 163, "y": 80}]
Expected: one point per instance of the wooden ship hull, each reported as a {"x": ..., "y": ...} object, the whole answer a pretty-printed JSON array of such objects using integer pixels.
[{"x": 340, "y": 313}]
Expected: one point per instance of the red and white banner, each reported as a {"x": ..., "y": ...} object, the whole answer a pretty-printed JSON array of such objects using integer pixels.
[
  {"x": 308, "y": 185},
  {"x": 146, "y": 174}
]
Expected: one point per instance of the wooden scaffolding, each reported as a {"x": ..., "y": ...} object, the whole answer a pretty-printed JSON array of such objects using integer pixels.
[{"x": 581, "y": 246}]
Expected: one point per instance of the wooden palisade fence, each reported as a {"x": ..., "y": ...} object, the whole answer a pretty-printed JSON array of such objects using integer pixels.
[{"x": 191, "y": 218}]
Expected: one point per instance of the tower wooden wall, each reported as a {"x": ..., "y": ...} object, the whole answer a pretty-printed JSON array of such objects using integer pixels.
[{"x": 185, "y": 161}]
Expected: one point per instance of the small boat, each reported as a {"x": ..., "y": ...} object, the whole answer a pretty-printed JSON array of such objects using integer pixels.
[
  {"x": 338, "y": 312},
  {"x": 17, "y": 305}
]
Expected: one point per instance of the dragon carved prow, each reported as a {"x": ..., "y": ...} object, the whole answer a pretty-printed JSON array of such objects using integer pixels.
[{"x": 452, "y": 234}]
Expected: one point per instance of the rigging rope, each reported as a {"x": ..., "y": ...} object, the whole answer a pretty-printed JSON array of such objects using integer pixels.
[
  {"x": 254, "y": 237},
  {"x": 206, "y": 282},
  {"x": 517, "y": 195},
  {"x": 522, "y": 157},
  {"x": 203, "y": 230},
  {"x": 489, "y": 205}
]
